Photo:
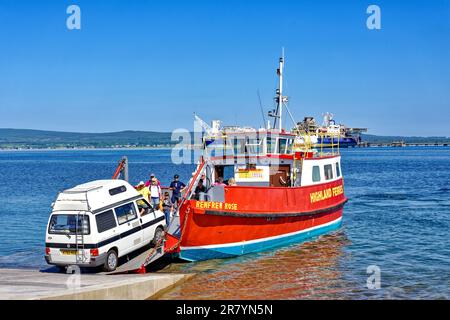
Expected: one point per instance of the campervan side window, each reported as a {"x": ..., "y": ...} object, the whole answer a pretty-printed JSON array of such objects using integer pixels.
[
  {"x": 338, "y": 170},
  {"x": 328, "y": 171},
  {"x": 125, "y": 213},
  {"x": 316, "y": 174},
  {"x": 105, "y": 221},
  {"x": 143, "y": 207}
]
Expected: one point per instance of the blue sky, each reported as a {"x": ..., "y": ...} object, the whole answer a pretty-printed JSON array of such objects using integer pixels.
[{"x": 148, "y": 65}]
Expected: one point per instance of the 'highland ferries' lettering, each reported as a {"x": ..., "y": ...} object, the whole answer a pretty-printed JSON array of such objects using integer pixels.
[{"x": 326, "y": 194}]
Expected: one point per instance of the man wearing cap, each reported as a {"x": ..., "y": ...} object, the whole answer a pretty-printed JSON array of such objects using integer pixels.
[
  {"x": 177, "y": 187},
  {"x": 142, "y": 189}
]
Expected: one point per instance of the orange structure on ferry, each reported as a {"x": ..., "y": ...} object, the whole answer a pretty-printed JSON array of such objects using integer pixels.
[{"x": 285, "y": 191}]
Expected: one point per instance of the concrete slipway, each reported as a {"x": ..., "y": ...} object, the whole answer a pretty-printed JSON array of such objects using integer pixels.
[{"x": 38, "y": 285}]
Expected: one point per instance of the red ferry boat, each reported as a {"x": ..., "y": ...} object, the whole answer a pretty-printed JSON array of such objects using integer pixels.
[{"x": 277, "y": 190}]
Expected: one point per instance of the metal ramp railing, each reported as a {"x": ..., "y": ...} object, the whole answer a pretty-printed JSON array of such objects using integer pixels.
[{"x": 139, "y": 262}]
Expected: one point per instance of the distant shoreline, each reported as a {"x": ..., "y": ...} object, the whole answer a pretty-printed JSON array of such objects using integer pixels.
[
  {"x": 41, "y": 140},
  {"x": 169, "y": 148},
  {"x": 82, "y": 149}
]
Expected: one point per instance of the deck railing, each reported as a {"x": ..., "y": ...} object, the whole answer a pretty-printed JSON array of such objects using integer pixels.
[
  {"x": 326, "y": 144},
  {"x": 334, "y": 143}
]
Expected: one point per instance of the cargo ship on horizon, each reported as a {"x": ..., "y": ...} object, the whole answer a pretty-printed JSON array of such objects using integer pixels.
[{"x": 329, "y": 133}]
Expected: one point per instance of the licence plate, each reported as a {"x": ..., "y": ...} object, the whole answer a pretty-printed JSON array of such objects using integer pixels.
[{"x": 68, "y": 252}]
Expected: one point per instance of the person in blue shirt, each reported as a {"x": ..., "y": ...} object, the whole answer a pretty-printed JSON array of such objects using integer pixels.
[{"x": 177, "y": 187}]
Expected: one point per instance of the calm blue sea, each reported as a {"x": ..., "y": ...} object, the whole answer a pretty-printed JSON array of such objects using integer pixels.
[{"x": 397, "y": 219}]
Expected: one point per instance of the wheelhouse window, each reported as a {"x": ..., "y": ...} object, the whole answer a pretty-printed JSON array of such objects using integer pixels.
[
  {"x": 271, "y": 145},
  {"x": 290, "y": 146},
  {"x": 282, "y": 144},
  {"x": 69, "y": 224},
  {"x": 254, "y": 147},
  {"x": 316, "y": 174},
  {"x": 105, "y": 221},
  {"x": 227, "y": 147},
  {"x": 338, "y": 170},
  {"x": 239, "y": 146},
  {"x": 125, "y": 213},
  {"x": 219, "y": 148},
  {"x": 328, "y": 168}
]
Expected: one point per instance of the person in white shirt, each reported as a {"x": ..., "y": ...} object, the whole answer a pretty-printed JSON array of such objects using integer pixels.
[{"x": 155, "y": 193}]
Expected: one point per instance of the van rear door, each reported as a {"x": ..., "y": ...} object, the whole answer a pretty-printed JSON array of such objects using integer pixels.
[{"x": 61, "y": 235}]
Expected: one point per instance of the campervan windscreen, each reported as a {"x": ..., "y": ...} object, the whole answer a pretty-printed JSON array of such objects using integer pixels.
[{"x": 68, "y": 224}]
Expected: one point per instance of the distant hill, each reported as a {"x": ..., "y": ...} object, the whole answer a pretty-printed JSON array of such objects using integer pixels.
[
  {"x": 25, "y": 138},
  {"x": 40, "y": 139}
]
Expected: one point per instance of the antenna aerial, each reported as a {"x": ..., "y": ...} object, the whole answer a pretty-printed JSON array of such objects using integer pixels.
[{"x": 262, "y": 110}]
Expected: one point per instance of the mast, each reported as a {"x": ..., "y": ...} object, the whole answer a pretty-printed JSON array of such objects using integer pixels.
[
  {"x": 279, "y": 99},
  {"x": 280, "y": 93}
]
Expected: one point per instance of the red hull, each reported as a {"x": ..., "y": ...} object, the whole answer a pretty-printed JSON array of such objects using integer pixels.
[{"x": 260, "y": 214}]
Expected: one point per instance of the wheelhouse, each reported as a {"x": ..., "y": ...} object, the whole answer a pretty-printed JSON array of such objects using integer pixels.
[{"x": 268, "y": 158}]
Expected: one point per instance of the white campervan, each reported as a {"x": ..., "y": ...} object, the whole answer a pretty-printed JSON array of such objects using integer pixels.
[{"x": 96, "y": 223}]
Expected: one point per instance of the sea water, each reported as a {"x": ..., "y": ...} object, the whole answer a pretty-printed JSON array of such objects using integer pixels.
[{"x": 395, "y": 231}]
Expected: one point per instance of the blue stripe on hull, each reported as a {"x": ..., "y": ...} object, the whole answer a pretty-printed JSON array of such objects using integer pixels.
[{"x": 198, "y": 254}]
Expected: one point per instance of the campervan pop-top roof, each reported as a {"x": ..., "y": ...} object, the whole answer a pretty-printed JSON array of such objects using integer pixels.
[{"x": 95, "y": 195}]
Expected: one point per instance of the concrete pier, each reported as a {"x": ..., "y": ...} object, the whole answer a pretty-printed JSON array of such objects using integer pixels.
[{"x": 38, "y": 285}]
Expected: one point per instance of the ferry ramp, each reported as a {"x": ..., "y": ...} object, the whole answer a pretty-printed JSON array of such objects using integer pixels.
[{"x": 20, "y": 284}]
